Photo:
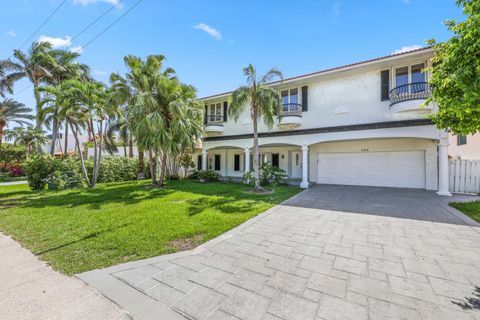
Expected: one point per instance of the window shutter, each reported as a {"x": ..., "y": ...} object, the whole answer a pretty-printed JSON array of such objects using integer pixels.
[
  {"x": 305, "y": 98},
  {"x": 385, "y": 85},
  {"x": 225, "y": 109},
  {"x": 199, "y": 162},
  {"x": 205, "y": 116}
]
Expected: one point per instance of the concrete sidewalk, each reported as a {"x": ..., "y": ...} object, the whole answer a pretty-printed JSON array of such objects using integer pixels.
[{"x": 29, "y": 289}]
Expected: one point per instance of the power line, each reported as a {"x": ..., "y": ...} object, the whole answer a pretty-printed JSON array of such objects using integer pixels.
[
  {"x": 94, "y": 38},
  {"x": 42, "y": 24}
]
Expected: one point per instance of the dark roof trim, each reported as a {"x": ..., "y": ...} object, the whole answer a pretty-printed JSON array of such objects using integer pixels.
[
  {"x": 355, "y": 127},
  {"x": 330, "y": 69}
]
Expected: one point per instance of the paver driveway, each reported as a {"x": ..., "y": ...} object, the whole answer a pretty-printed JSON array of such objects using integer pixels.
[{"x": 368, "y": 259}]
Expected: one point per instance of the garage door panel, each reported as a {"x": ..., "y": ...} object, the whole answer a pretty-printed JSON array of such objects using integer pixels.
[{"x": 388, "y": 169}]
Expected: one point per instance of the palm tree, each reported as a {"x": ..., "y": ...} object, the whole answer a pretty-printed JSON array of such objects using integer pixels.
[
  {"x": 36, "y": 65},
  {"x": 29, "y": 137},
  {"x": 163, "y": 114},
  {"x": 13, "y": 111},
  {"x": 263, "y": 101}
]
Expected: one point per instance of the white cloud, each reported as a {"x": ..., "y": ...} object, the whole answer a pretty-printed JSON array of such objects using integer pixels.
[
  {"x": 407, "y": 48},
  {"x": 87, "y": 2},
  {"x": 211, "y": 31},
  {"x": 57, "y": 42},
  {"x": 337, "y": 8},
  {"x": 100, "y": 72},
  {"x": 78, "y": 49},
  {"x": 11, "y": 33}
]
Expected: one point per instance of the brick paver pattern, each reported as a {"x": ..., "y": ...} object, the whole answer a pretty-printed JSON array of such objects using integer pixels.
[{"x": 301, "y": 263}]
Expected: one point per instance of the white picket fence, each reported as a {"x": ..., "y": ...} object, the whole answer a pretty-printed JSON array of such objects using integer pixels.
[{"x": 464, "y": 176}]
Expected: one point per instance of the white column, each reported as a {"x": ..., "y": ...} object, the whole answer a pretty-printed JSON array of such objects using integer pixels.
[
  {"x": 204, "y": 159},
  {"x": 247, "y": 159},
  {"x": 443, "y": 189},
  {"x": 304, "y": 183}
]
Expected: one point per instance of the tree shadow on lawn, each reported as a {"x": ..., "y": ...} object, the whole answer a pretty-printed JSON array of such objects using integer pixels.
[
  {"x": 94, "y": 198},
  {"x": 131, "y": 193},
  {"x": 224, "y": 205}
]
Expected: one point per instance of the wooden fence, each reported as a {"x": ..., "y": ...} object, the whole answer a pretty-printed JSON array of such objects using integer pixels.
[{"x": 464, "y": 176}]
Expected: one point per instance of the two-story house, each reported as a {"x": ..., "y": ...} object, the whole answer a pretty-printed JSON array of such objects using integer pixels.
[{"x": 358, "y": 124}]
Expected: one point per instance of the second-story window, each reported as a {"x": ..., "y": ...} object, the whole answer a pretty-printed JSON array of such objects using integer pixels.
[
  {"x": 461, "y": 140},
  {"x": 289, "y": 96},
  {"x": 216, "y": 109},
  {"x": 410, "y": 78}
]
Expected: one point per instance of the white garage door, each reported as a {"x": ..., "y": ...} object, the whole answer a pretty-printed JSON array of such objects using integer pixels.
[{"x": 405, "y": 169}]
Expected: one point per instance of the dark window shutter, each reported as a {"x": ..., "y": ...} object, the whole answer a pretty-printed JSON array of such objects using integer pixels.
[
  {"x": 305, "y": 98},
  {"x": 205, "y": 117},
  {"x": 199, "y": 162},
  {"x": 236, "y": 163},
  {"x": 225, "y": 109},
  {"x": 385, "y": 85},
  {"x": 217, "y": 162}
]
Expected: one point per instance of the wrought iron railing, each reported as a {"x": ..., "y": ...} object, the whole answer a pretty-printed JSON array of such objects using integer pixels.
[
  {"x": 291, "y": 110},
  {"x": 411, "y": 91},
  {"x": 214, "y": 120}
]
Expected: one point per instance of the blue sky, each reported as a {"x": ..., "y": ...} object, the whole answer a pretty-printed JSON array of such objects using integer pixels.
[{"x": 208, "y": 42}]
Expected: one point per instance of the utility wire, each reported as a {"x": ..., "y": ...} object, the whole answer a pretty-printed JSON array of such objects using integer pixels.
[
  {"x": 94, "y": 38},
  {"x": 43, "y": 23}
]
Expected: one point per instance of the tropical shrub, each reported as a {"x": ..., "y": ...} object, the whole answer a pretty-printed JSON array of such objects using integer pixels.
[
  {"x": 272, "y": 175},
  {"x": 205, "y": 175},
  {"x": 115, "y": 169},
  {"x": 248, "y": 177},
  {"x": 38, "y": 169},
  {"x": 68, "y": 174}
]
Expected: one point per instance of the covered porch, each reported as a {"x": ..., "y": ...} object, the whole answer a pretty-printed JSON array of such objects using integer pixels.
[{"x": 232, "y": 162}]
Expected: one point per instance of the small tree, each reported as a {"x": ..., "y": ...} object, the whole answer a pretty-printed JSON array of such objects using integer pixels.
[
  {"x": 13, "y": 111},
  {"x": 455, "y": 73},
  {"x": 262, "y": 101}
]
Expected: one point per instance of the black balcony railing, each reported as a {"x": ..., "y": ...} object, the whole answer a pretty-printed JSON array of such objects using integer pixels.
[
  {"x": 291, "y": 110},
  {"x": 411, "y": 91},
  {"x": 214, "y": 120}
]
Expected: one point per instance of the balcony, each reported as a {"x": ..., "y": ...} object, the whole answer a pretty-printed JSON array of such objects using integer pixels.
[
  {"x": 214, "y": 124},
  {"x": 291, "y": 116},
  {"x": 410, "y": 97}
]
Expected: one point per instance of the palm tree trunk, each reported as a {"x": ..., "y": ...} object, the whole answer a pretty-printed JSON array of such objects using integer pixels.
[
  {"x": 152, "y": 167},
  {"x": 163, "y": 168},
  {"x": 38, "y": 120},
  {"x": 2, "y": 125},
  {"x": 124, "y": 149},
  {"x": 255, "y": 150},
  {"x": 66, "y": 138},
  {"x": 80, "y": 154},
  {"x": 97, "y": 168},
  {"x": 130, "y": 146},
  {"x": 141, "y": 164},
  {"x": 54, "y": 135},
  {"x": 95, "y": 154}
]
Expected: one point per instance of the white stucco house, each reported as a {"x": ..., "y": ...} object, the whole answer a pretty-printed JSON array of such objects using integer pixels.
[{"x": 358, "y": 124}]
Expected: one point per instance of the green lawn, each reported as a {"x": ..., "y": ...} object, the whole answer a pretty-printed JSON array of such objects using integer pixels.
[
  {"x": 471, "y": 209},
  {"x": 80, "y": 230}
]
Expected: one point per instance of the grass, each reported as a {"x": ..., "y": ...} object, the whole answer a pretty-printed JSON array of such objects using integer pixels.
[
  {"x": 80, "y": 230},
  {"x": 11, "y": 179},
  {"x": 471, "y": 209}
]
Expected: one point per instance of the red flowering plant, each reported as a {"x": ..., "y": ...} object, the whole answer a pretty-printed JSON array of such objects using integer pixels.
[{"x": 16, "y": 171}]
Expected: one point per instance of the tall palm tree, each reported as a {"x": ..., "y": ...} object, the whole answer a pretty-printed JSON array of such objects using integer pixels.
[
  {"x": 66, "y": 68},
  {"x": 36, "y": 65},
  {"x": 163, "y": 113},
  {"x": 263, "y": 101},
  {"x": 29, "y": 137},
  {"x": 13, "y": 111}
]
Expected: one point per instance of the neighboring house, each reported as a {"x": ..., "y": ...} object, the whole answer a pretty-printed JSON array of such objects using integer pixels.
[
  {"x": 464, "y": 147},
  {"x": 60, "y": 143},
  {"x": 359, "y": 124}
]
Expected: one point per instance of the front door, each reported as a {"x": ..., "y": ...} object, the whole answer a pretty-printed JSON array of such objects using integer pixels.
[
  {"x": 275, "y": 159},
  {"x": 296, "y": 164}
]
